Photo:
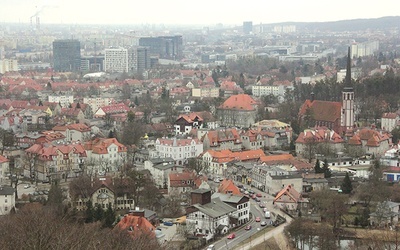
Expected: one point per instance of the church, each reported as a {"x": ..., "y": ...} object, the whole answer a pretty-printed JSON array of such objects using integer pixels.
[{"x": 338, "y": 116}]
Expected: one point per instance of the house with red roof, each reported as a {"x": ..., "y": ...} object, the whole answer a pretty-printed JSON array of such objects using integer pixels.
[
  {"x": 55, "y": 162},
  {"x": 107, "y": 153},
  {"x": 227, "y": 186},
  {"x": 310, "y": 139},
  {"x": 178, "y": 149},
  {"x": 230, "y": 88},
  {"x": 117, "y": 108},
  {"x": 290, "y": 200},
  {"x": 181, "y": 184},
  {"x": 252, "y": 139},
  {"x": 185, "y": 123},
  {"x": 74, "y": 131},
  {"x": 221, "y": 139},
  {"x": 371, "y": 141},
  {"x": 238, "y": 111}
]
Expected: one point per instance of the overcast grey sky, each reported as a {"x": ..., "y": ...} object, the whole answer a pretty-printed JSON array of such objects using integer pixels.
[{"x": 182, "y": 12}]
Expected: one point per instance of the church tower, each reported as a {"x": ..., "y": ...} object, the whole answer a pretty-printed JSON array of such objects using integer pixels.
[{"x": 347, "y": 117}]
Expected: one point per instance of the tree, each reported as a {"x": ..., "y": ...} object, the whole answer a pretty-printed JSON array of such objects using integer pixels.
[
  {"x": 89, "y": 213},
  {"x": 55, "y": 196},
  {"x": 196, "y": 165},
  {"x": 109, "y": 217},
  {"x": 317, "y": 167},
  {"x": 327, "y": 172},
  {"x": 98, "y": 214},
  {"x": 346, "y": 185}
]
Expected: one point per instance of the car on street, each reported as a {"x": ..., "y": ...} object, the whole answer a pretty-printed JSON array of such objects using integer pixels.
[
  {"x": 261, "y": 205},
  {"x": 168, "y": 223},
  {"x": 240, "y": 186},
  {"x": 258, "y": 219},
  {"x": 231, "y": 236},
  {"x": 267, "y": 214},
  {"x": 257, "y": 199},
  {"x": 251, "y": 192},
  {"x": 27, "y": 186},
  {"x": 211, "y": 247},
  {"x": 248, "y": 227},
  {"x": 253, "y": 196},
  {"x": 263, "y": 223},
  {"x": 259, "y": 195}
]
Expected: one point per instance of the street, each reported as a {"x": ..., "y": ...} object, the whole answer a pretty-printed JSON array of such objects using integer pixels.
[{"x": 256, "y": 211}]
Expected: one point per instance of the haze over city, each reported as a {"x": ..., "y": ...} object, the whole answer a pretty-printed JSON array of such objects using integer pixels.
[{"x": 179, "y": 12}]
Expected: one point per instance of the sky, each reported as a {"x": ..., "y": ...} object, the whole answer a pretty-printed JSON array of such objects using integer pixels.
[{"x": 186, "y": 12}]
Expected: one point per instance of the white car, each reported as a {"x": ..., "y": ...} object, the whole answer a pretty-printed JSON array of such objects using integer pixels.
[{"x": 27, "y": 186}]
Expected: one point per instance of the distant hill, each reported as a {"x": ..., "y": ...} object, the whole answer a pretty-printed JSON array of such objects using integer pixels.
[{"x": 381, "y": 23}]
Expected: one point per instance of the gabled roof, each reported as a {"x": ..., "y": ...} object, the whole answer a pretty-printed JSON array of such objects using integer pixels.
[
  {"x": 322, "y": 110},
  {"x": 290, "y": 192},
  {"x": 100, "y": 145},
  {"x": 319, "y": 134},
  {"x": 240, "y": 102},
  {"x": 136, "y": 225},
  {"x": 228, "y": 187},
  {"x": 216, "y": 208}
]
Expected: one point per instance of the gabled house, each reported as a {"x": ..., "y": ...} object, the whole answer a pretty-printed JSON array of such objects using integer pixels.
[
  {"x": 185, "y": 123},
  {"x": 117, "y": 108},
  {"x": 221, "y": 139},
  {"x": 252, "y": 139},
  {"x": 389, "y": 121},
  {"x": 74, "y": 132},
  {"x": 371, "y": 141},
  {"x": 208, "y": 217},
  {"x": 240, "y": 202},
  {"x": 386, "y": 214},
  {"x": 290, "y": 200},
  {"x": 227, "y": 186},
  {"x": 160, "y": 168},
  {"x": 181, "y": 184},
  {"x": 4, "y": 168},
  {"x": 238, "y": 111}
]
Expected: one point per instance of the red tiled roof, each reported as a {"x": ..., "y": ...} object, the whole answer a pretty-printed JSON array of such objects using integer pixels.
[
  {"x": 239, "y": 102},
  {"x": 290, "y": 192},
  {"x": 227, "y": 186},
  {"x": 322, "y": 110},
  {"x": 100, "y": 145},
  {"x": 136, "y": 225}
]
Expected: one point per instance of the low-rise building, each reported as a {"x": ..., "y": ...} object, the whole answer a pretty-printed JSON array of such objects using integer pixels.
[{"x": 7, "y": 199}]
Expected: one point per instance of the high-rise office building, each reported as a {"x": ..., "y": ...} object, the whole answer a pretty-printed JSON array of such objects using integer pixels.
[
  {"x": 247, "y": 27},
  {"x": 66, "y": 55},
  {"x": 138, "y": 59},
  {"x": 168, "y": 47}
]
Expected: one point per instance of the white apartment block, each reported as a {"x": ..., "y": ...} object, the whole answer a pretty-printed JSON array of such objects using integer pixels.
[
  {"x": 64, "y": 100},
  {"x": 116, "y": 60},
  {"x": 275, "y": 90},
  {"x": 178, "y": 149},
  {"x": 364, "y": 49},
  {"x": 97, "y": 102},
  {"x": 7, "y": 65},
  {"x": 205, "y": 92},
  {"x": 7, "y": 199}
]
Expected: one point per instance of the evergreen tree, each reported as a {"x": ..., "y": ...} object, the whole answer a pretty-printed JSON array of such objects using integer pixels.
[
  {"x": 326, "y": 170},
  {"x": 364, "y": 219},
  {"x": 89, "y": 212},
  {"x": 111, "y": 134},
  {"x": 317, "y": 167},
  {"x": 55, "y": 195},
  {"x": 98, "y": 214},
  {"x": 78, "y": 106},
  {"x": 346, "y": 185},
  {"x": 109, "y": 217}
]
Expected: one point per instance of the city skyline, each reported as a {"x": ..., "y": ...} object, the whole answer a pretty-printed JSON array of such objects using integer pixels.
[{"x": 179, "y": 12}]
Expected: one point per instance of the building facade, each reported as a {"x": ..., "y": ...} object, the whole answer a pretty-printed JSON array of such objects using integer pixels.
[{"x": 67, "y": 55}]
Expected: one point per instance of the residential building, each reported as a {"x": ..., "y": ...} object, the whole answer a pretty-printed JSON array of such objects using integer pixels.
[
  {"x": 227, "y": 186},
  {"x": 385, "y": 215},
  {"x": 4, "y": 168},
  {"x": 160, "y": 168},
  {"x": 116, "y": 60},
  {"x": 48, "y": 162},
  {"x": 238, "y": 111},
  {"x": 274, "y": 183},
  {"x": 97, "y": 102},
  {"x": 185, "y": 123},
  {"x": 7, "y": 199},
  {"x": 178, "y": 149},
  {"x": 290, "y": 200},
  {"x": 221, "y": 139},
  {"x": 137, "y": 226},
  {"x": 308, "y": 141},
  {"x": 208, "y": 217},
  {"x": 252, "y": 140},
  {"x": 371, "y": 141},
  {"x": 66, "y": 55},
  {"x": 207, "y": 91},
  {"x": 106, "y": 154},
  {"x": 247, "y": 27},
  {"x": 7, "y": 65},
  {"x": 277, "y": 89},
  {"x": 389, "y": 121},
  {"x": 241, "y": 204},
  {"x": 117, "y": 108},
  {"x": 181, "y": 184},
  {"x": 74, "y": 132},
  {"x": 64, "y": 100},
  {"x": 276, "y": 134}
]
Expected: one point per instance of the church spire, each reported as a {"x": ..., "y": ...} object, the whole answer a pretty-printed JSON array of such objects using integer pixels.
[{"x": 347, "y": 80}]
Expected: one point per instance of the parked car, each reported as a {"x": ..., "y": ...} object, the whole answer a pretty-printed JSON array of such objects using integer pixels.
[
  {"x": 240, "y": 186},
  {"x": 231, "y": 236},
  {"x": 168, "y": 223},
  {"x": 211, "y": 247},
  {"x": 259, "y": 195},
  {"x": 263, "y": 224},
  {"x": 261, "y": 205},
  {"x": 27, "y": 186},
  {"x": 251, "y": 192},
  {"x": 257, "y": 199},
  {"x": 258, "y": 219},
  {"x": 267, "y": 214},
  {"x": 248, "y": 227},
  {"x": 253, "y": 196}
]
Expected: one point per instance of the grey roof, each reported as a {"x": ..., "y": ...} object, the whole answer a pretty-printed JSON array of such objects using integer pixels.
[
  {"x": 228, "y": 198},
  {"x": 163, "y": 166},
  {"x": 315, "y": 180},
  {"x": 148, "y": 213},
  {"x": 161, "y": 160},
  {"x": 215, "y": 208},
  {"x": 7, "y": 191},
  {"x": 201, "y": 191},
  {"x": 291, "y": 176}
]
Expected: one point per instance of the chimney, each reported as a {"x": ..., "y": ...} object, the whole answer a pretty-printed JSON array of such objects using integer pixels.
[{"x": 312, "y": 96}]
